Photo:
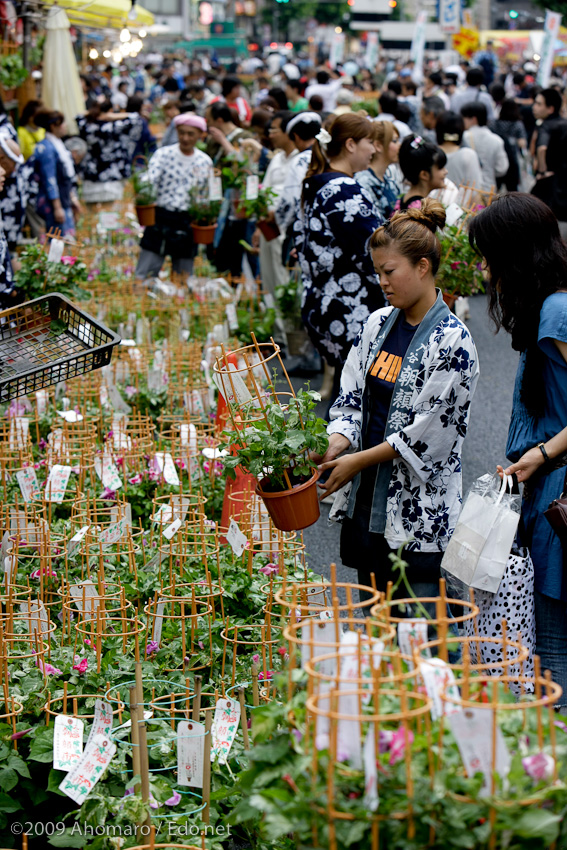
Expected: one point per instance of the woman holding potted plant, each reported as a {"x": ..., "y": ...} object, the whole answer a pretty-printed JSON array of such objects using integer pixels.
[{"x": 402, "y": 413}]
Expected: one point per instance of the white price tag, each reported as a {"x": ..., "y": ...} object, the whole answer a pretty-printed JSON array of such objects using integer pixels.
[
  {"x": 232, "y": 317},
  {"x": 236, "y": 538},
  {"x": 215, "y": 188},
  {"x": 81, "y": 780},
  {"x": 56, "y": 249},
  {"x": 369, "y": 756},
  {"x": 252, "y": 186},
  {"x": 102, "y": 721},
  {"x": 411, "y": 635},
  {"x": 166, "y": 466},
  {"x": 233, "y": 389},
  {"x": 472, "y": 729},
  {"x": 57, "y": 483},
  {"x": 173, "y": 528},
  {"x": 190, "y": 753},
  {"x": 158, "y": 620},
  {"x": 438, "y": 677},
  {"x": 37, "y": 619},
  {"x": 224, "y": 728},
  {"x": 67, "y": 742},
  {"x": 76, "y": 539},
  {"x": 29, "y": 487},
  {"x": 83, "y": 593},
  {"x": 107, "y": 471},
  {"x": 114, "y": 532},
  {"x": 452, "y": 214}
]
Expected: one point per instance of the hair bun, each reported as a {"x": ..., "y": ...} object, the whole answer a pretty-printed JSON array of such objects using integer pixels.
[{"x": 431, "y": 213}]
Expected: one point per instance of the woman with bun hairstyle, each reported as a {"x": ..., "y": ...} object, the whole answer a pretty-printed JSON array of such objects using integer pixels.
[
  {"x": 378, "y": 179},
  {"x": 519, "y": 238},
  {"x": 398, "y": 425},
  {"x": 111, "y": 139},
  {"x": 336, "y": 219},
  {"x": 424, "y": 166}
]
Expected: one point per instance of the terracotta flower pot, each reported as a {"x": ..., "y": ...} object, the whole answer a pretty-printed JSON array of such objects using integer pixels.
[
  {"x": 146, "y": 214},
  {"x": 292, "y": 510},
  {"x": 450, "y": 300},
  {"x": 203, "y": 234},
  {"x": 269, "y": 230}
]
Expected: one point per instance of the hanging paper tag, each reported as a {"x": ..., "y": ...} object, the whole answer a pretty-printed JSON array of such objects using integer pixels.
[
  {"x": 472, "y": 729},
  {"x": 116, "y": 400},
  {"x": 19, "y": 430},
  {"x": 79, "y": 783},
  {"x": 190, "y": 753},
  {"x": 236, "y": 538},
  {"x": 411, "y": 634},
  {"x": 370, "y": 656},
  {"x": 438, "y": 677},
  {"x": 369, "y": 756},
  {"x": 313, "y": 633},
  {"x": 102, "y": 721},
  {"x": 231, "y": 317},
  {"x": 180, "y": 505},
  {"x": 173, "y": 528},
  {"x": 56, "y": 249},
  {"x": 70, "y": 415},
  {"x": 67, "y": 742},
  {"x": 42, "y": 398},
  {"x": 37, "y": 619},
  {"x": 124, "y": 509},
  {"x": 452, "y": 214},
  {"x": 29, "y": 487},
  {"x": 224, "y": 728},
  {"x": 75, "y": 540},
  {"x": 10, "y": 568},
  {"x": 114, "y": 532},
  {"x": 163, "y": 515},
  {"x": 233, "y": 389},
  {"x": 57, "y": 483},
  {"x": 158, "y": 620},
  {"x": 167, "y": 467},
  {"x": 83, "y": 593},
  {"x": 269, "y": 301},
  {"x": 252, "y": 186},
  {"x": 107, "y": 471},
  {"x": 215, "y": 188}
]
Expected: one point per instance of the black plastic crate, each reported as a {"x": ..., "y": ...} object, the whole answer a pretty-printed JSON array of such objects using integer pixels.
[{"x": 46, "y": 341}]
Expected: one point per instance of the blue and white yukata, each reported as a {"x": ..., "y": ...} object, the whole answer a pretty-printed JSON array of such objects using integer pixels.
[
  {"x": 13, "y": 199},
  {"x": 383, "y": 191},
  {"x": 340, "y": 286}
]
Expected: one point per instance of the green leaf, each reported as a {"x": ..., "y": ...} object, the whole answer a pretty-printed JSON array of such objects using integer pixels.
[
  {"x": 8, "y": 778},
  {"x": 18, "y": 764},
  {"x": 7, "y": 804},
  {"x": 42, "y": 745},
  {"x": 68, "y": 840},
  {"x": 538, "y": 823},
  {"x": 56, "y": 777}
]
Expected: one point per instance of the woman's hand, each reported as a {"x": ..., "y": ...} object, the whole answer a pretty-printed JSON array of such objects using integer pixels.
[
  {"x": 344, "y": 470},
  {"x": 528, "y": 464},
  {"x": 338, "y": 444},
  {"x": 58, "y": 212}
]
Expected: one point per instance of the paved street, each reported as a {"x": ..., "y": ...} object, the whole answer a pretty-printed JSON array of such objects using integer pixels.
[{"x": 485, "y": 443}]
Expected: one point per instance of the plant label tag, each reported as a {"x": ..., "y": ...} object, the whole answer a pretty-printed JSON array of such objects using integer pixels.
[
  {"x": 37, "y": 619},
  {"x": 83, "y": 594},
  {"x": 156, "y": 380},
  {"x": 180, "y": 505},
  {"x": 56, "y": 248},
  {"x": 194, "y": 403},
  {"x": 233, "y": 389},
  {"x": 252, "y": 186},
  {"x": 75, "y": 540},
  {"x": 167, "y": 467},
  {"x": 269, "y": 301},
  {"x": 369, "y": 752},
  {"x": 122, "y": 510},
  {"x": 238, "y": 293},
  {"x": 29, "y": 487},
  {"x": 57, "y": 483},
  {"x": 70, "y": 415},
  {"x": 81, "y": 780},
  {"x": 173, "y": 528},
  {"x": 370, "y": 656},
  {"x": 438, "y": 677},
  {"x": 67, "y": 742},
  {"x": 102, "y": 721},
  {"x": 318, "y": 638},
  {"x": 163, "y": 515},
  {"x": 452, "y": 214},
  {"x": 114, "y": 532},
  {"x": 224, "y": 728},
  {"x": 158, "y": 620},
  {"x": 215, "y": 188},
  {"x": 190, "y": 753},
  {"x": 472, "y": 729},
  {"x": 236, "y": 538},
  {"x": 10, "y": 568},
  {"x": 348, "y": 730},
  {"x": 116, "y": 400},
  {"x": 103, "y": 395},
  {"x": 231, "y": 317},
  {"x": 107, "y": 471},
  {"x": 41, "y": 400},
  {"x": 411, "y": 634},
  {"x": 19, "y": 430},
  {"x": 189, "y": 437}
]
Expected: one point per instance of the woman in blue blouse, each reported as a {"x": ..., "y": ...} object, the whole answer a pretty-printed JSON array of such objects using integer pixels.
[
  {"x": 337, "y": 217},
  {"x": 378, "y": 179},
  {"x": 518, "y": 236},
  {"x": 54, "y": 172}
]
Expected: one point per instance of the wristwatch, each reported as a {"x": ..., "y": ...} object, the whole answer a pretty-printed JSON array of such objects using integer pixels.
[{"x": 541, "y": 447}]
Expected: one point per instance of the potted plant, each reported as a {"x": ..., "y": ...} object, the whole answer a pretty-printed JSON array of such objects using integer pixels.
[
  {"x": 460, "y": 272},
  {"x": 144, "y": 198},
  {"x": 276, "y": 447},
  {"x": 203, "y": 215},
  {"x": 38, "y": 276},
  {"x": 259, "y": 208},
  {"x": 12, "y": 73}
]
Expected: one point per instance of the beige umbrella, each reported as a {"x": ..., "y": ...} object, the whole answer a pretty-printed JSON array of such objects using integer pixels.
[{"x": 61, "y": 85}]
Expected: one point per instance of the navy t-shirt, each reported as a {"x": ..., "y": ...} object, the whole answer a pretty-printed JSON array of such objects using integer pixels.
[{"x": 381, "y": 379}]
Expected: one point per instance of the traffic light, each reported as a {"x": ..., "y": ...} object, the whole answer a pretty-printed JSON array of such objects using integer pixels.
[
  {"x": 392, "y": 3},
  {"x": 513, "y": 14},
  {"x": 350, "y": 2}
]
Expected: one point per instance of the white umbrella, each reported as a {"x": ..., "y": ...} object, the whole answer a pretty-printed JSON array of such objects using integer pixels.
[{"x": 61, "y": 85}]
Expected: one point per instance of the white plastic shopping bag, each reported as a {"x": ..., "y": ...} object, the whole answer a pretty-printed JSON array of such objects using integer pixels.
[{"x": 478, "y": 551}]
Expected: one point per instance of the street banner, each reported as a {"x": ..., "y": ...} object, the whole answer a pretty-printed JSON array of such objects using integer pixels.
[
  {"x": 337, "y": 49},
  {"x": 371, "y": 55},
  {"x": 450, "y": 16},
  {"x": 551, "y": 31}
]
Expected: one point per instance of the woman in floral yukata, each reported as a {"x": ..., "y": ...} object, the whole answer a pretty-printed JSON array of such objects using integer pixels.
[
  {"x": 337, "y": 218},
  {"x": 398, "y": 425}
]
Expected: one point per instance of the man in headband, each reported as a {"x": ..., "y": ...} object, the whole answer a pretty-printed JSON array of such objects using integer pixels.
[{"x": 175, "y": 171}]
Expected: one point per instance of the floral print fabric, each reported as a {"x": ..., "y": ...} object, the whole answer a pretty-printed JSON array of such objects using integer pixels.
[{"x": 111, "y": 146}]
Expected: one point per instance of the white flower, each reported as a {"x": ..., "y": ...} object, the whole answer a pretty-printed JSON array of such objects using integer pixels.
[{"x": 323, "y": 137}]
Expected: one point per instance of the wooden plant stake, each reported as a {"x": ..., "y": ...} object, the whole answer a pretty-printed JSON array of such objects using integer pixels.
[
  {"x": 135, "y": 735},
  {"x": 207, "y": 768},
  {"x": 243, "y": 718},
  {"x": 197, "y": 699},
  {"x": 255, "y": 694}
]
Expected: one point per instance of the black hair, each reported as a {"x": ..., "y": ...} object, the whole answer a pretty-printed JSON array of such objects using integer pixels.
[
  {"x": 475, "y": 77},
  {"x": 395, "y": 86},
  {"x": 498, "y": 92},
  {"x": 510, "y": 110},
  {"x": 519, "y": 238},
  {"x": 475, "y": 110},
  {"x": 388, "y": 102},
  {"x": 316, "y": 103},
  {"x": 436, "y": 77},
  {"x": 450, "y": 79},
  {"x": 410, "y": 85},
  {"x": 279, "y": 96},
  {"x": 228, "y": 84},
  {"x": 29, "y": 111},
  {"x": 552, "y": 99},
  {"x": 519, "y": 78},
  {"x": 403, "y": 112},
  {"x": 134, "y": 103},
  {"x": 295, "y": 84},
  {"x": 433, "y": 105},
  {"x": 323, "y": 77},
  {"x": 46, "y": 118},
  {"x": 305, "y": 130},
  {"x": 285, "y": 116},
  {"x": 222, "y": 111},
  {"x": 450, "y": 124},
  {"x": 418, "y": 154},
  {"x": 196, "y": 87},
  {"x": 186, "y": 106}
]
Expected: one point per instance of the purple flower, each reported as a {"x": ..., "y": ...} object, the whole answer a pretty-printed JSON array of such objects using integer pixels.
[
  {"x": 48, "y": 669},
  {"x": 130, "y": 391},
  {"x": 17, "y": 735},
  {"x": 539, "y": 766},
  {"x": 153, "y": 646},
  {"x": 297, "y": 735},
  {"x": 174, "y": 799},
  {"x": 108, "y": 494},
  {"x": 136, "y": 479},
  {"x": 269, "y": 569}
]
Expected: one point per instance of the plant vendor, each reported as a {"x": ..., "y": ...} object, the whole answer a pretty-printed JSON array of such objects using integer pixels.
[
  {"x": 174, "y": 171},
  {"x": 402, "y": 413}
]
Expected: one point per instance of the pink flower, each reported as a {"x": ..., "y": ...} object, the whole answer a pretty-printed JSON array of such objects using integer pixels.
[
  {"x": 136, "y": 479},
  {"x": 539, "y": 766},
  {"x": 268, "y": 675},
  {"x": 87, "y": 641},
  {"x": 48, "y": 669},
  {"x": 255, "y": 659},
  {"x": 269, "y": 569},
  {"x": 37, "y": 271},
  {"x": 49, "y": 572},
  {"x": 174, "y": 800},
  {"x": 130, "y": 391},
  {"x": 68, "y": 261},
  {"x": 82, "y": 666},
  {"x": 455, "y": 265},
  {"x": 400, "y": 738},
  {"x": 17, "y": 735}
]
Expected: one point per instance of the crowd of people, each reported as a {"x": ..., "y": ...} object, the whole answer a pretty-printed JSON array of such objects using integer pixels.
[{"x": 360, "y": 184}]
